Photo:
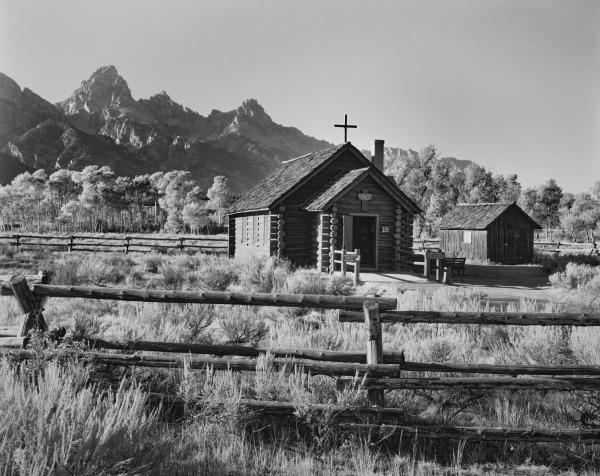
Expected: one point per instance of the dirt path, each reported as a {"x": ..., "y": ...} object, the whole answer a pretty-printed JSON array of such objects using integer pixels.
[{"x": 498, "y": 282}]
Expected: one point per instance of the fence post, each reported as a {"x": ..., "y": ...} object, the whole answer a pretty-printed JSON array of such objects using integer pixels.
[
  {"x": 181, "y": 244},
  {"x": 71, "y": 238},
  {"x": 448, "y": 274},
  {"x": 31, "y": 305},
  {"x": 426, "y": 270},
  {"x": 356, "y": 266},
  {"x": 127, "y": 238},
  {"x": 343, "y": 261},
  {"x": 17, "y": 242},
  {"x": 374, "y": 346}
]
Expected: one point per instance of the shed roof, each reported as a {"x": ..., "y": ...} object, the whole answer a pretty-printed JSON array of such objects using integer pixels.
[
  {"x": 286, "y": 177},
  {"x": 477, "y": 216}
]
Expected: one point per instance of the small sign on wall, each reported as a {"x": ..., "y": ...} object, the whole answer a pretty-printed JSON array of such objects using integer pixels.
[{"x": 385, "y": 229}]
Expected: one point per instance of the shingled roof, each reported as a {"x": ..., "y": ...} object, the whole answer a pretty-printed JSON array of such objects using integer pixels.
[
  {"x": 477, "y": 216},
  {"x": 265, "y": 193},
  {"x": 339, "y": 184}
]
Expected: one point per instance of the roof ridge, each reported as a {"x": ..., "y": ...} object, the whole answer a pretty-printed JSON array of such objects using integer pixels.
[
  {"x": 484, "y": 203},
  {"x": 310, "y": 153}
]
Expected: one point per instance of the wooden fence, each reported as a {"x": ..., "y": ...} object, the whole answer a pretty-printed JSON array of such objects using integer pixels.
[
  {"x": 550, "y": 247},
  {"x": 557, "y": 247},
  {"x": 381, "y": 371},
  {"x": 126, "y": 244}
]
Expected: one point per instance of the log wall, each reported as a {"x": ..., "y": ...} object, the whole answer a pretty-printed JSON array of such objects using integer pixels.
[
  {"x": 252, "y": 234},
  {"x": 381, "y": 205}
]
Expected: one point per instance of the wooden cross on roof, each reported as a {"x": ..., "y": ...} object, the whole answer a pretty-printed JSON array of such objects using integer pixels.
[{"x": 346, "y": 126}]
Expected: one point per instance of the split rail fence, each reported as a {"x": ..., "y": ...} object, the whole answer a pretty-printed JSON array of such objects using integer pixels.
[
  {"x": 126, "y": 244},
  {"x": 381, "y": 371},
  {"x": 551, "y": 247}
]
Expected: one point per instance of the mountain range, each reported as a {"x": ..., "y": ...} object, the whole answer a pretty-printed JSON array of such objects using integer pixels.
[{"x": 101, "y": 123}]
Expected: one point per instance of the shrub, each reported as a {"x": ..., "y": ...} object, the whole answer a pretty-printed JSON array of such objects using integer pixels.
[
  {"x": 217, "y": 278},
  {"x": 306, "y": 282},
  {"x": 118, "y": 262},
  {"x": 341, "y": 286},
  {"x": 98, "y": 272},
  {"x": 6, "y": 251},
  {"x": 65, "y": 272},
  {"x": 575, "y": 275},
  {"x": 152, "y": 262},
  {"x": 241, "y": 325},
  {"x": 264, "y": 274},
  {"x": 58, "y": 426},
  {"x": 86, "y": 325},
  {"x": 173, "y": 276}
]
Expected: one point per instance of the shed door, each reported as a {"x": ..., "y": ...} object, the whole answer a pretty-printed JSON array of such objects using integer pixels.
[{"x": 364, "y": 238}]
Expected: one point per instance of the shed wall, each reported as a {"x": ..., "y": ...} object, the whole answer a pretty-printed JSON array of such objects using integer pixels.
[
  {"x": 452, "y": 242},
  {"x": 510, "y": 238}
]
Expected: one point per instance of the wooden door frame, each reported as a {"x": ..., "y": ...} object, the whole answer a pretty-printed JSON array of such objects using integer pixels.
[{"x": 376, "y": 216}]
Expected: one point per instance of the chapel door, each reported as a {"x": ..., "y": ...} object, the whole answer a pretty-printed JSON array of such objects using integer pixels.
[{"x": 364, "y": 238}]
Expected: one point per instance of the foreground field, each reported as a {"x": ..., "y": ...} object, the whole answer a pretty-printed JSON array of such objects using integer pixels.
[{"x": 217, "y": 436}]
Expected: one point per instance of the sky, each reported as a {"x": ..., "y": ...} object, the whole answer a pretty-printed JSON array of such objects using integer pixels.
[{"x": 511, "y": 84}]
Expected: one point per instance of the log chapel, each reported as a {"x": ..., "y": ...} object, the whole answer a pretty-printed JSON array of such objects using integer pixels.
[{"x": 324, "y": 201}]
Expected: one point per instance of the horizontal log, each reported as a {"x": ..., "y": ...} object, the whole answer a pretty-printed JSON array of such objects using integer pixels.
[
  {"x": 29, "y": 277},
  {"x": 102, "y": 245},
  {"x": 289, "y": 410},
  {"x": 513, "y": 370},
  {"x": 241, "y": 364},
  {"x": 530, "y": 435},
  {"x": 101, "y": 250},
  {"x": 343, "y": 356},
  {"x": 43, "y": 244},
  {"x": 475, "y": 383},
  {"x": 494, "y": 318},
  {"x": 241, "y": 350},
  {"x": 11, "y": 331},
  {"x": 211, "y": 297},
  {"x": 120, "y": 238},
  {"x": 13, "y": 342}
]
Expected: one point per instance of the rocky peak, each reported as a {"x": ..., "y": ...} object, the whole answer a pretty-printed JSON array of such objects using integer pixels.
[
  {"x": 250, "y": 108},
  {"x": 9, "y": 89},
  {"x": 105, "y": 88}
]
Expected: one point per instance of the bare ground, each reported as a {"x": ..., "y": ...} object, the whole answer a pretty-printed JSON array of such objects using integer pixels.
[{"x": 497, "y": 282}]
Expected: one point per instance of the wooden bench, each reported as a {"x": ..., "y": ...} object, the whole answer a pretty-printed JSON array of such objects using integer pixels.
[{"x": 457, "y": 264}]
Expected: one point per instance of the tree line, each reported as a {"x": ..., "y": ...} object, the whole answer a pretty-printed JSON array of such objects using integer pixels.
[
  {"x": 96, "y": 200},
  {"x": 437, "y": 187}
]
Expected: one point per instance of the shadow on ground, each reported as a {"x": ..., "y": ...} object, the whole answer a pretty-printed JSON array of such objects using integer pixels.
[{"x": 506, "y": 276}]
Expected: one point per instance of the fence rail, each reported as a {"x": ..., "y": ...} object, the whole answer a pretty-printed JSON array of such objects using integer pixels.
[
  {"x": 128, "y": 244},
  {"x": 554, "y": 247},
  {"x": 380, "y": 371}
]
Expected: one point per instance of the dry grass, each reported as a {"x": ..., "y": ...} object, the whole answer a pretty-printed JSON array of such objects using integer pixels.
[{"x": 216, "y": 437}]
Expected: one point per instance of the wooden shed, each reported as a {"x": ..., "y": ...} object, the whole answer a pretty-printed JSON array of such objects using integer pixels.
[
  {"x": 328, "y": 200},
  {"x": 500, "y": 232}
]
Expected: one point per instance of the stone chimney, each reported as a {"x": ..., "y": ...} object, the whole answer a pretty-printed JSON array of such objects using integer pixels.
[{"x": 377, "y": 155}]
